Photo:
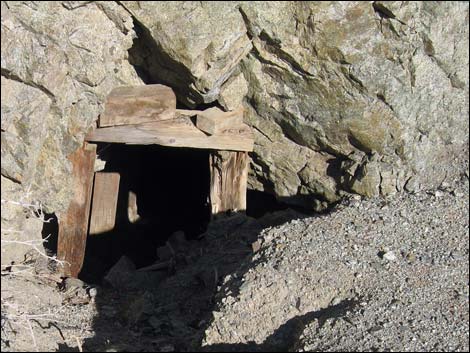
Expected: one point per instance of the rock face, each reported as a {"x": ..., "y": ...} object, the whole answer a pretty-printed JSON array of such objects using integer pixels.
[
  {"x": 59, "y": 61},
  {"x": 370, "y": 98},
  {"x": 354, "y": 96}
]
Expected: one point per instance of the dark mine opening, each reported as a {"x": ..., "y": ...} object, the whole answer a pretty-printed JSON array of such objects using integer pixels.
[{"x": 170, "y": 187}]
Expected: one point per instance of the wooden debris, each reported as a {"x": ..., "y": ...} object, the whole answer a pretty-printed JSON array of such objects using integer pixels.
[
  {"x": 179, "y": 132},
  {"x": 132, "y": 211},
  {"x": 138, "y": 104},
  {"x": 73, "y": 224},
  {"x": 157, "y": 266},
  {"x": 105, "y": 199},
  {"x": 229, "y": 175},
  {"x": 214, "y": 121}
]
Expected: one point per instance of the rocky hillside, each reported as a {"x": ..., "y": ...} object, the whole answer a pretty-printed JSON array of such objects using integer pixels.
[
  {"x": 361, "y": 97},
  {"x": 372, "y": 275}
]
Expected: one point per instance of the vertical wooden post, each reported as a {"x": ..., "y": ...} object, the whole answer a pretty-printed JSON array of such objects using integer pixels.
[
  {"x": 104, "y": 204},
  {"x": 229, "y": 175},
  {"x": 73, "y": 224}
]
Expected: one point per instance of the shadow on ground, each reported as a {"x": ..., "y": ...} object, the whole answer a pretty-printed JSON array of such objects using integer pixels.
[{"x": 171, "y": 309}]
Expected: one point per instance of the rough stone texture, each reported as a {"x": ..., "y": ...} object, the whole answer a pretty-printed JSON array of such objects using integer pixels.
[
  {"x": 362, "y": 97},
  {"x": 59, "y": 61},
  {"x": 370, "y": 98},
  {"x": 194, "y": 46}
]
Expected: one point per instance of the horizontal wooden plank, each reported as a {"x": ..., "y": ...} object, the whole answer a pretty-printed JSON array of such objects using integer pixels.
[
  {"x": 138, "y": 104},
  {"x": 179, "y": 132},
  {"x": 215, "y": 120}
]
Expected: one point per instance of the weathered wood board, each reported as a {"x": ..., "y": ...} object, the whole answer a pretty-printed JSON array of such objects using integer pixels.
[
  {"x": 138, "y": 104},
  {"x": 104, "y": 205},
  {"x": 132, "y": 209},
  {"x": 229, "y": 175},
  {"x": 179, "y": 132},
  {"x": 214, "y": 121},
  {"x": 73, "y": 224}
]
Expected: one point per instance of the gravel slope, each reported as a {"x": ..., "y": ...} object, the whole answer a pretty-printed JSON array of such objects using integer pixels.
[{"x": 374, "y": 275}]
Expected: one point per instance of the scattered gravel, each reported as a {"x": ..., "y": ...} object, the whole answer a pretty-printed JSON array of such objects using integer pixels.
[
  {"x": 371, "y": 275},
  {"x": 397, "y": 268}
]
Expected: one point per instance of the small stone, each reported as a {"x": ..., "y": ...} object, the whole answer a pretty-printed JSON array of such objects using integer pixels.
[
  {"x": 439, "y": 193},
  {"x": 118, "y": 276},
  {"x": 410, "y": 257},
  {"x": 72, "y": 283},
  {"x": 457, "y": 193},
  {"x": 178, "y": 241},
  {"x": 255, "y": 246},
  {"x": 165, "y": 252},
  {"x": 93, "y": 292},
  {"x": 390, "y": 256}
]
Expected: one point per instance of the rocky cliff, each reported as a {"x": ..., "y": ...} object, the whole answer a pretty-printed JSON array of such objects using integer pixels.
[{"x": 362, "y": 97}]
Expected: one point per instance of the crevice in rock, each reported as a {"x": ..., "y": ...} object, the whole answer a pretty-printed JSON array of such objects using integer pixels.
[
  {"x": 154, "y": 66},
  {"x": 381, "y": 97},
  {"x": 11, "y": 76},
  {"x": 259, "y": 203},
  {"x": 273, "y": 47},
  {"x": 382, "y": 11},
  {"x": 50, "y": 233}
]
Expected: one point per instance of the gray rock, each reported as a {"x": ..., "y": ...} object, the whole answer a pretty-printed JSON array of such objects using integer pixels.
[
  {"x": 320, "y": 99},
  {"x": 343, "y": 97},
  {"x": 121, "y": 274},
  {"x": 62, "y": 61}
]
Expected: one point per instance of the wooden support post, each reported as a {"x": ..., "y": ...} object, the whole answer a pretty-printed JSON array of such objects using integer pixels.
[
  {"x": 104, "y": 205},
  {"x": 73, "y": 224},
  {"x": 229, "y": 174}
]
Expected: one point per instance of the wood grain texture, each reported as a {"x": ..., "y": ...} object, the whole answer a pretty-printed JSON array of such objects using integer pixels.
[
  {"x": 138, "y": 104},
  {"x": 214, "y": 120},
  {"x": 229, "y": 175},
  {"x": 179, "y": 132},
  {"x": 104, "y": 204},
  {"x": 73, "y": 224}
]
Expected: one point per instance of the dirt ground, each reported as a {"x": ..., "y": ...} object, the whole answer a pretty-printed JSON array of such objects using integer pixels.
[{"x": 379, "y": 275}]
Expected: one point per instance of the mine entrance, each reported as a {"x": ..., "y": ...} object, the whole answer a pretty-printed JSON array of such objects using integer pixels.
[
  {"x": 161, "y": 190},
  {"x": 167, "y": 169}
]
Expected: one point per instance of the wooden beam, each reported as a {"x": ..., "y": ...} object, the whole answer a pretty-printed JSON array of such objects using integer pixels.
[
  {"x": 104, "y": 204},
  {"x": 179, "y": 132},
  {"x": 132, "y": 209},
  {"x": 229, "y": 175},
  {"x": 73, "y": 224},
  {"x": 138, "y": 104},
  {"x": 214, "y": 121}
]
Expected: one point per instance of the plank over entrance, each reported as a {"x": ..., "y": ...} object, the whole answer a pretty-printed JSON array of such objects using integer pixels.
[
  {"x": 104, "y": 205},
  {"x": 229, "y": 175},
  {"x": 178, "y": 132},
  {"x": 73, "y": 224},
  {"x": 138, "y": 104}
]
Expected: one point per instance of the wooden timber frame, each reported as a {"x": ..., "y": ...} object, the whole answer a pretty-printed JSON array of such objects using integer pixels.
[{"x": 147, "y": 115}]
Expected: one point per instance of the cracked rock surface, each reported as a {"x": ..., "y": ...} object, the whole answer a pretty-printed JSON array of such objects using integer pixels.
[{"x": 369, "y": 98}]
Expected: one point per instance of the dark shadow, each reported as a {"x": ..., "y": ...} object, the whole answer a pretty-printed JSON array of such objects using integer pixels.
[
  {"x": 171, "y": 186},
  {"x": 287, "y": 334},
  {"x": 173, "y": 308},
  {"x": 50, "y": 233},
  {"x": 170, "y": 307}
]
